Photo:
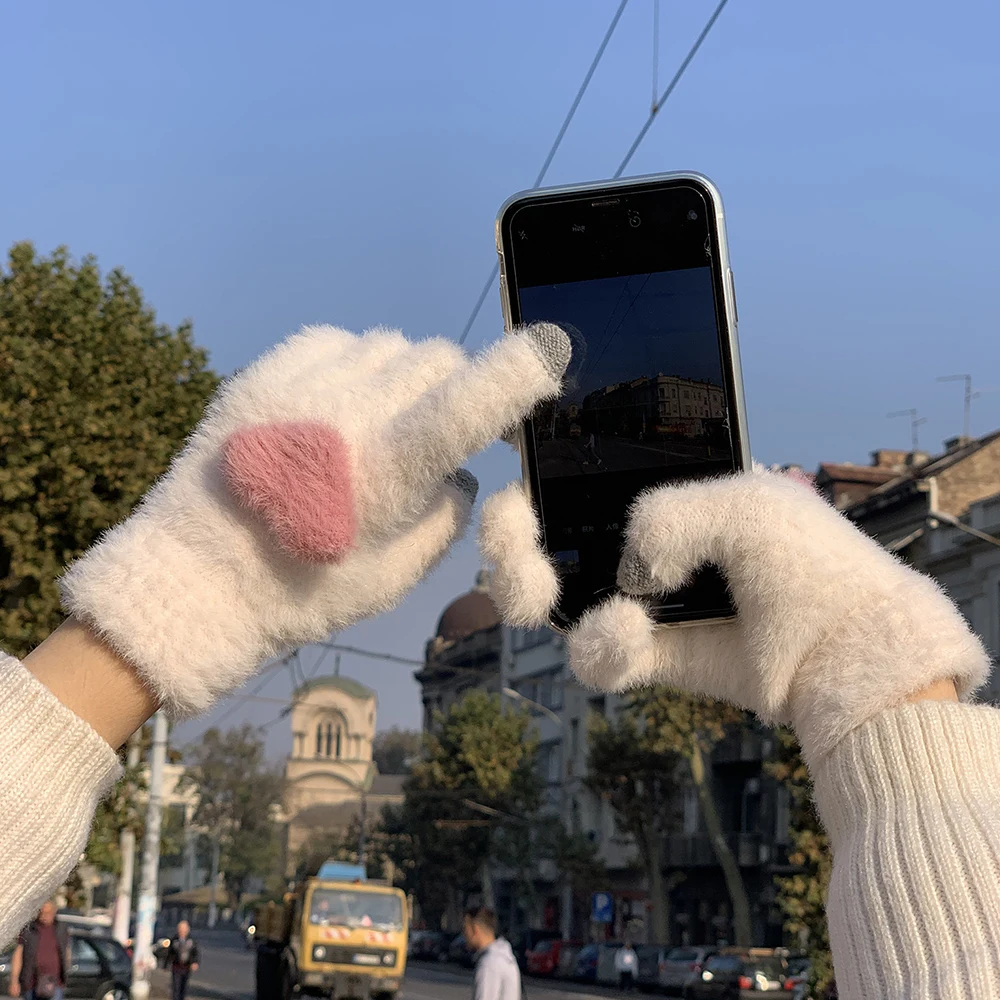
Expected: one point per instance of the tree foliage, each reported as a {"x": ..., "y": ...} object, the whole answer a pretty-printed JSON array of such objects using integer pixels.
[
  {"x": 237, "y": 793},
  {"x": 691, "y": 727},
  {"x": 802, "y": 895},
  {"x": 475, "y": 777},
  {"x": 394, "y": 750},
  {"x": 95, "y": 397},
  {"x": 629, "y": 769}
]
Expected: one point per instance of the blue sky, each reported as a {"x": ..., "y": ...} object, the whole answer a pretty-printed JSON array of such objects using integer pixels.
[{"x": 255, "y": 166}]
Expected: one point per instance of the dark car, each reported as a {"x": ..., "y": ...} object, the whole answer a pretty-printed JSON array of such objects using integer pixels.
[
  {"x": 430, "y": 946},
  {"x": 586, "y": 963},
  {"x": 460, "y": 952},
  {"x": 737, "y": 977},
  {"x": 100, "y": 969}
]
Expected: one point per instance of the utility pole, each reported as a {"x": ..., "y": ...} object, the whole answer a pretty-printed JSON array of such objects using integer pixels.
[
  {"x": 213, "y": 909},
  {"x": 142, "y": 959},
  {"x": 363, "y": 835},
  {"x": 126, "y": 847}
]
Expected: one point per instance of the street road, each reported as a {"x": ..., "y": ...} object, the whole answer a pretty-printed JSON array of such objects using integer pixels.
[
  {"x": 566, "y": 457},
  {"x": 227, "y": 967}
]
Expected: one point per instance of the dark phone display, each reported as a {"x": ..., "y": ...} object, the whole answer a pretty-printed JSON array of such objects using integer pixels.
[{"x": 646, "y": 399}]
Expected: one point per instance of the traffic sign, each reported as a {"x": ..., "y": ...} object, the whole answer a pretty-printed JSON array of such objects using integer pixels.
[{"x": 602, "y": 908}]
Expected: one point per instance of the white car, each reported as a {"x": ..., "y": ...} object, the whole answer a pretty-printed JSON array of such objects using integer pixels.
[{"x": 681, "y": 965}]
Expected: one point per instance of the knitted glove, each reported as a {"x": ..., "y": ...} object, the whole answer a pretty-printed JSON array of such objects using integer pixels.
[
  {"x": 831, "y": 629},
  {"x": 321, "y": 485}
]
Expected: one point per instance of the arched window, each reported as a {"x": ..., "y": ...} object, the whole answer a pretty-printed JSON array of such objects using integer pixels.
[
  {"x": 338, "y": 742},
  {"x": 329, "y": 739},
  {"x": 319, "y": 740}
]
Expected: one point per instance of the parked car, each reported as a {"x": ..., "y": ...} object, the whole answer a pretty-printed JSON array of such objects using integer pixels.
[
  {"x": 797, "y": 978},
  {"x": 460, "y": 952},
  {"x": 528, "y": 941},
  {"x": 736, "y": 976},
  {"x": 586, "y": 963},
  {"x": 413, "y": 943},
  {"x": 606, "y": 952},
  {"x": 545, "y": 958},
  {"x": 434, "y": 946},
  {"x": 647, "y": 975},
  {"x": 680, "y": 965},
  {"x": 100, "y": 969},
  {"x": 567, "y": 959}
]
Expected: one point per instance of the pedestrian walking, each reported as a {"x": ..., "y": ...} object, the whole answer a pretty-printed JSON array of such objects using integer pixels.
[
  {"x": 627, "y": 966},
  {"x": 497, "y": 974},
  {"x": 182, "y": 957},
  {"x": 41, "y": 958}
]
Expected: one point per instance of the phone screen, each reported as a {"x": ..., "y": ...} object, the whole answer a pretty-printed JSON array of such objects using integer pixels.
[{"x": 636, "y": 281}]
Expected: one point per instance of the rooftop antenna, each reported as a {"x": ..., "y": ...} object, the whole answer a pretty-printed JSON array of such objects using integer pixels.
[
  {"x": 915, "y": 423},
  {"x": 968, "y": 399}
]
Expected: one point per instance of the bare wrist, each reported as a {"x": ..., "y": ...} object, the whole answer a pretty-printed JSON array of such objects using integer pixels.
[
  {"x": 92, "y": 681},
  {"x": 938, "y": 691}
]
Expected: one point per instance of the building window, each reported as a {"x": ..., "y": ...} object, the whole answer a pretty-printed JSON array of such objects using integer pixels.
[
  {"x": 338, "y": 742},
  {"x": 329, "y": 739},
  {"x": 319, "y": 740},
  {"x": 545, "y": 691}
]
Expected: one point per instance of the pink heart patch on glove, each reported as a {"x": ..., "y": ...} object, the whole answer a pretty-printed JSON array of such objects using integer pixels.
[{"x": 297, "y": 478}]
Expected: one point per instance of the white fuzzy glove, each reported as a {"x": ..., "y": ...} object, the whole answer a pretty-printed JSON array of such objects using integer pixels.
[
  {"x": 322, "y": 484},
  {"x": 831, "y": 629}
]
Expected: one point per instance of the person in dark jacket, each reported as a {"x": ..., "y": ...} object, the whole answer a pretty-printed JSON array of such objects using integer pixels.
[
  {"x": 39, "y": 964},
  {"x": 182, "y": 957}
]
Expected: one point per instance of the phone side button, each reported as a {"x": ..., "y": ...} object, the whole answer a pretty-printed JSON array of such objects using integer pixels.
[
  {"x": 504, "y": 307},
  {"x": 732, "y": 292}
]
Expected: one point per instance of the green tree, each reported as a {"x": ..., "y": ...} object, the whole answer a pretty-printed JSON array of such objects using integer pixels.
[
  {"x": 237, "y": 793},
  {"x": 628, "y": 768},
  {"x": 394, "y": 750},
  {"x": 691, "y": 727},
  {"x": 802, "y": 895},
  {"x": 95, "y": 397},
  {"x": 475, "y": 778},
  {"x": 344, "y": 845}
]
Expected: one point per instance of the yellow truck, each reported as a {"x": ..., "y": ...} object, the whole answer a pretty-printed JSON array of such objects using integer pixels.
[{"x": 337, "y": 935}]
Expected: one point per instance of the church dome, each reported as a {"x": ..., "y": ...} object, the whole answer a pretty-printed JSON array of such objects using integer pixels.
[{"x": 472, "y": 612}]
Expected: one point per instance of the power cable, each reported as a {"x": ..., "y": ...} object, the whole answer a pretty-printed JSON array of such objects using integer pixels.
[
  {"x": 656, "y": 50},
  {"x": 692, "y": 52},
  {"x": 654, "y": 111},
  {"x": 552, "y": 152},
  {"x": 268, "y": 674}
]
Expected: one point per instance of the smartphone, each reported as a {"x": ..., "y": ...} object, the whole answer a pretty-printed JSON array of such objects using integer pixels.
[{"x": 637, "y": 272}]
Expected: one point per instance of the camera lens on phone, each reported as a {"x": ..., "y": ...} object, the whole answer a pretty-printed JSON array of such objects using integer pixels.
[{"x": 692, "y": 216}]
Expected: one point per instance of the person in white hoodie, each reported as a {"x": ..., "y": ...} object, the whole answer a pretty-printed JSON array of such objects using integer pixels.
[
  {"x": 497, "y": 974},
  {"x": 627, "y": 966}
]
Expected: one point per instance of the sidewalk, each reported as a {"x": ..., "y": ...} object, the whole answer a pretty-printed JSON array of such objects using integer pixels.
[
  {"x": 160, "y": 989},
  {"x": 537, "y": 982}
]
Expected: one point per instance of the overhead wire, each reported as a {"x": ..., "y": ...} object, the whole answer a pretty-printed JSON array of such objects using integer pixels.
[
  {"x": 674, "y": 80},
  {"x": 654, "y": 111},
  {"x": 551, "y": 155}
]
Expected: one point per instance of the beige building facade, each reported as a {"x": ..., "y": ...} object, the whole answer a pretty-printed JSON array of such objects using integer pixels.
[{"x": 330, "y": 777}]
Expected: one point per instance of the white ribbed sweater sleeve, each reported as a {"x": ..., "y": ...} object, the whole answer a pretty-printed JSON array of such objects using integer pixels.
[
  {"x": 54, "y": 769},
  {"x": 911, "y": 801}
]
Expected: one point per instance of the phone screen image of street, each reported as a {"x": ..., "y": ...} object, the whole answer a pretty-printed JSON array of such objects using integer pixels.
[{"x": 645, "y": 388}]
